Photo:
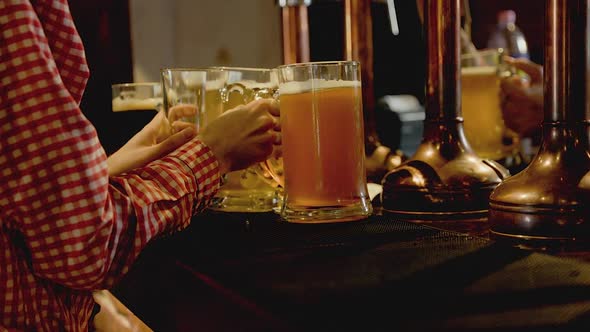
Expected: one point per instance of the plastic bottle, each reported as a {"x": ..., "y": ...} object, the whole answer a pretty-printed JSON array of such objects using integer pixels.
[{"x": 508, "y": 36}]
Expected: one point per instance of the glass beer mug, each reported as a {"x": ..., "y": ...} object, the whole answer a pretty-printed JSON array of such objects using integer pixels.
[
  {"x": 480, "y": 98},
  {"x": 135, "y": 105},
  {"x": 252, "y": 189},
  {"x": 323, "y": 142},
  {"x": 198, "y": 88},
  {"x": 136, "y": 97}
]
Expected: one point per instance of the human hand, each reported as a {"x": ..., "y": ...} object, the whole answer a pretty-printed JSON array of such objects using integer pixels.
[
  {"x": 522, "y": 97},
  {"x": 244, "y": 135},
  {"x": 115, "y": 316},
  {"x": 154, "y": 141}
]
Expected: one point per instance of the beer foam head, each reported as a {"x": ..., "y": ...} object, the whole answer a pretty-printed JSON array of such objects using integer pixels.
[
  {"x": 479, "y": 70},
  {"x": 214, "y": 84},
  {"x": 251, "y": 84},
  {"x": 314, "y": 84},
  {"x": 197, "y": 79},
  {"x": 136, "y": 104}
]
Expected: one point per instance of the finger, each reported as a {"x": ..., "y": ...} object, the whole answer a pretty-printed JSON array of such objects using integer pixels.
[
  {"x": 277, "y": 126},
  {"x": 264, "y": 123},
  {"x": 181, "y": 125},
  {"x": 278, "y": 140},
  {"x": 277, "y": 151},
  {"x": 532, "y": 69},
  {"x": 180, "y": 111},
  {"x": 156, "y": 121},
  {"x": 265, "y": 105},
  {"x": 274, "y": 108},
  {"x": 513, "y": 87},
  {"x": 173, "y": 142}
]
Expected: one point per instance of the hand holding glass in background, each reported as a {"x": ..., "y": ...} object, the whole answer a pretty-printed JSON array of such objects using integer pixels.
[{"x": 484, "y": 123}]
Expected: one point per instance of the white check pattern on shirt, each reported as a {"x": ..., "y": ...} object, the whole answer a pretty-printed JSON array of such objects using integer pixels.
[{"x": 65, "y": 227}]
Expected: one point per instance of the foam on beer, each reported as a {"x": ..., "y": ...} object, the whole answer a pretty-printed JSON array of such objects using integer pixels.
[
  {"x": 479, "y": 70},
  {"x": 251, "y": 84},
  {"x": 135, "y": 104},
  {"x": 299, "y": 87},
  {"x": 209, "y": 85}
]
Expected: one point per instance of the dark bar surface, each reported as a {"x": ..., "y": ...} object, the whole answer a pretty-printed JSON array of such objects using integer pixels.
[{"x": 254, "y": 272}]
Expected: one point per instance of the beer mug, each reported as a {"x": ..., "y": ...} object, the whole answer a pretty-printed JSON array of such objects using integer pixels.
[
  {"x": 252, "y": 189},
  {"x": 131, "y": 97},
  {"x": 480, "y": 98},
  {"x": 198, "y": 88},
  {"x": 323, "y": 142},
  {"x": 134, "y": 105}
]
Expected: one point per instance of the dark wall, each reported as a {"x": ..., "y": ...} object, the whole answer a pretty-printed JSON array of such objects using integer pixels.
[
  {"x": 103, "y": 26},
  {"x": 398, "y": 60}
]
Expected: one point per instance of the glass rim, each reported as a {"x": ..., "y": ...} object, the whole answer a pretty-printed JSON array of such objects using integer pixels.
[
  {"x": 482, "y": 52},
  {"x": 135, "y": 84},
  {"x": 252, "y": 69},
  {"x": 190, "y": 69},
  {"x": 320, "y": 63}
]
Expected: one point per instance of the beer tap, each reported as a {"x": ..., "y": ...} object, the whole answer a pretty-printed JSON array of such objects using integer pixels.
[
  {"x": 444, "y": 179},
  {"x": 295, "y": 30},
  {"x": 547, "y": 204},
  {"x": 359, "y": 47}
]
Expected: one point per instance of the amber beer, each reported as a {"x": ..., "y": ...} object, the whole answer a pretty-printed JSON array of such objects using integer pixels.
[
  {"x": 213, "y": 102},
  {"x": 199, "y": 87},
  {"x": 323, "y": 148},
  {"x": 483, "y": 121},
  {"x": 252, "y": 189}
]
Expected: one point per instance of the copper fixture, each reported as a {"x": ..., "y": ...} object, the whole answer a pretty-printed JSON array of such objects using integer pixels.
[
  {"x": 548, "y": 203},
  {"x": 358, "y": 45},
  {"x": 295, "y": 30},
  {"x": 444, "y": 179}
]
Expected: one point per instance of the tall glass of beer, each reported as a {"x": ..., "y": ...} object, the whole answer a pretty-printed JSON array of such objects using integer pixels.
[
  {"x": 323, "y": 142},
  {"x": 480, "y": 98},
  {"x": 252, "y": 189},
  {"x": 198, "y": 89}
]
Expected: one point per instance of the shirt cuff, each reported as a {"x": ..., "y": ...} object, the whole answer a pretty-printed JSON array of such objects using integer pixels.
[{"x": 205, "y": 167}]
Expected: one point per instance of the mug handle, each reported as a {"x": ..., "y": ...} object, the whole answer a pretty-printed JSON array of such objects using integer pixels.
[
  {"x": 270, "y": 170},
  {"x": 272, "y": 166}
]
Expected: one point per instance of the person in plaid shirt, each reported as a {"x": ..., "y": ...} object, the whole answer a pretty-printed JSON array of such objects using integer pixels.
[{"x": 67, "y": 227}]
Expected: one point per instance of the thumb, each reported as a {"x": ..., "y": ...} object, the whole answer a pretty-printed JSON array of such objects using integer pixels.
[{"x": 532, "y": 69}]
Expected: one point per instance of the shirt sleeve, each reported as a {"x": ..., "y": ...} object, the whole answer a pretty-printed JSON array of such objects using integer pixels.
[{"x": 80, "y": 229}]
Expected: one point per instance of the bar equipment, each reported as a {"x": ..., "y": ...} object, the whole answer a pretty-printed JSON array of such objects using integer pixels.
[
  {"x": 547, "y": 203},
  {"x": 444, "y": 179},
  {"x": 295, "y": 30},
  {"x": 358, "y": 40}
]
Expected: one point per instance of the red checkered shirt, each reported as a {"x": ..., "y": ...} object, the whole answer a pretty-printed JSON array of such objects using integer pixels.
[{"x": 66, "y": 228}]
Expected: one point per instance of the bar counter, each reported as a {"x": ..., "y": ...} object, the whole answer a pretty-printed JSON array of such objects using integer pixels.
[{"x": 254, "y": 272}]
